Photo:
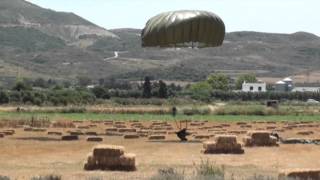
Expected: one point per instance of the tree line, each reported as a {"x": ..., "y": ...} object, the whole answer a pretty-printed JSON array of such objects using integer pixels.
[{"x": 215, "y": 87}]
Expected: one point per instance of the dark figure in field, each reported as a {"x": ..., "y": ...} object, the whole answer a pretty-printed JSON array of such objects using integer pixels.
[
  {"x": 174, "y": 111},
  {"x": 182, "y": 134}
]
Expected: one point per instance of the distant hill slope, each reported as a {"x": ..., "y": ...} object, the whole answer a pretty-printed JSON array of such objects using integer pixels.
[
  {"x": 66, "y": 26},
  {"x": 266, "y": 54},
  {"x": 37, "y": 42}
]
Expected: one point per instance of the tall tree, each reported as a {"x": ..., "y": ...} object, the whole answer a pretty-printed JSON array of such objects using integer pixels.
[
  {"x": 218, "y": 81},
  {"x": 21, "y": 85},
  {"x": 249, "y": 78},
  {"x": 163, "y": 91},
  {"x": 146, "y": 88},
  {"x": 201, "y": 91}
]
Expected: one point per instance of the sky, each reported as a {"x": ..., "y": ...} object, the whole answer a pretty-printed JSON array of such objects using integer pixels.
[{"x": 276, "y": 16}]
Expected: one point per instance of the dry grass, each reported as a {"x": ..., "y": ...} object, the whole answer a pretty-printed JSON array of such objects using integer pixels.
[
  {"x": 39, "y": 122},
  {"x": 42, "y": 153}
]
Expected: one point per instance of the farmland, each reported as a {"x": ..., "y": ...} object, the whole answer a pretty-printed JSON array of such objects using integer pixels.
[{"x": 33, "y": 149}]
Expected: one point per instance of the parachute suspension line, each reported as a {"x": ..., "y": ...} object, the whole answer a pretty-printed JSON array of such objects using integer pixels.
[{"x": 177, "y": 125}]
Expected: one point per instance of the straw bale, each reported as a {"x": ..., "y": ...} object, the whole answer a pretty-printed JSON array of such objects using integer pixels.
[
  {"x": 127, "y": 130},
  {"x": 111, "y": 130},
  {"x": 94, "y": 139},
  {"x": 128, "y": 160},
  {"x": 103, "y": 150},
  {"x": 157, "y": 137},
  {"x": 301, "y": 174},
  {"x": 120, "y": 126},
  {"x": 305, "y": 133},
  {"x": 83, "y": 127},
  {"x": 260, "y": 138},
  {"x": 131, "y": 136},
  {"x": 226, "y": 139},
  {"x": 225, "y": 144},
  {"x": 91, "y": 133},
  {"x": 55, "y": 133},
  {"x": 70, "y": 138},
  {"x": 202, "y": 136},
  {"x": 76, "y": 133},
  {"x": 111, "y": 133},
  {"x": 27, "y": 129}
]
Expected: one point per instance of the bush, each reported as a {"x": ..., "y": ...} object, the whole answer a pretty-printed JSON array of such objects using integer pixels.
[
  {"x": 208, "y": 170},
  {"x": 4, "y": 178},
  {"x": 196, "y": 111},
  {"x": 101, "y": 93},
  {"x": 134, "y": 101},
  {"x": 241, "y": 110},
  {"x": 200, "y": 91},
  {"x": 4, "y": 97},
  {"x": 168, "y": 174},
  {"x": 48, "y": 177},
  {"x": 74, "y": 110}
]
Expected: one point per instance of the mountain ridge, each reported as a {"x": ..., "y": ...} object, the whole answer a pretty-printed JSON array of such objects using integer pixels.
[{"x": 77, "y": 48}]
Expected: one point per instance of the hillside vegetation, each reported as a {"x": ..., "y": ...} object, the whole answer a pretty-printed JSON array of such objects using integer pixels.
[{"x": 63, "y": 46}]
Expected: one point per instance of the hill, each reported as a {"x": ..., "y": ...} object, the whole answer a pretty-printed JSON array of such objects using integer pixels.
[
  {"x": 67, "y": 26},
  {"x": 37, "y": 42}
]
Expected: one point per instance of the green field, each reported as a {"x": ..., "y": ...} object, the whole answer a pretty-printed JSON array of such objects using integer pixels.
[{"x": 147, "y": 117}]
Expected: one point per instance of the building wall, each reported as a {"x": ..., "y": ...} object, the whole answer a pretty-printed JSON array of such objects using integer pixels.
[
  {"x": 254, "y": 87},
  {"x": 281, "y": 87}
]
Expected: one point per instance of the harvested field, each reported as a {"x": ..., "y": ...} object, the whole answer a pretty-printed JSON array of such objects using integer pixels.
[{"x": 43, "y": 153}]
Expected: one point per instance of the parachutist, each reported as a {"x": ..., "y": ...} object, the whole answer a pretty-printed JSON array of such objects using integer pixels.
[{"x": 182, "y": 134}]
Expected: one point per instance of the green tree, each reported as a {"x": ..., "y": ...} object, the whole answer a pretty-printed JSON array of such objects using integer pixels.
[
  {"x": 146, "y": 88},
  {"x": 218, "y": 81},
  {"x": 163, "y": 91},
  {"x": 201, "y": 91},
  {"x": 249, "y": 78},
  {"x": 4, "y": 97},
  {"x": 84, "y": 81},
  {"x": 100, "y": 92},
  {"x": 21, "y": 86}
]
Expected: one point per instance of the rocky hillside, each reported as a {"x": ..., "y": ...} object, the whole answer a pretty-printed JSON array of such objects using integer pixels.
[
  {"x": 37, "y": 42},
  {"x": 67, "y": 26}
]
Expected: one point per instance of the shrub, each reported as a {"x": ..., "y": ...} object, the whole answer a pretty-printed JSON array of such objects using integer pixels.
[
  {"x": 168, "y": 174},
  {"x": 4, "y": 97},
  {"x": 209, "y": 170},
  {"x": 240, "y": 110},
  {"x": 48, "y": 177},
  {"x": 4, "y": 178},
  {"x": 196, "y": 111},
  {"x": 74, "y": 110}
]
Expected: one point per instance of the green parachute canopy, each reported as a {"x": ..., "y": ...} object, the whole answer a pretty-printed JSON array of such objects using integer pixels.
[{"x": 184, "y": 29}]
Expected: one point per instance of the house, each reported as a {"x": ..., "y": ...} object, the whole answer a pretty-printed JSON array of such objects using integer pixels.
[{"x": 254, "y": 87}]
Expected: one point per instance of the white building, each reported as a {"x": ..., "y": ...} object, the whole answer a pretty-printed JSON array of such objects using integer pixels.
[
  {"x": 306, "y": 89},
  {"x": 254, "y": 87}
]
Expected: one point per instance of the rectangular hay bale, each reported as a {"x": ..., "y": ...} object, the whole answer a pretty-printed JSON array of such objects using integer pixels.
[
  {"x": 103, "y": 150},
  {"x": 301, "y": 174}
]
